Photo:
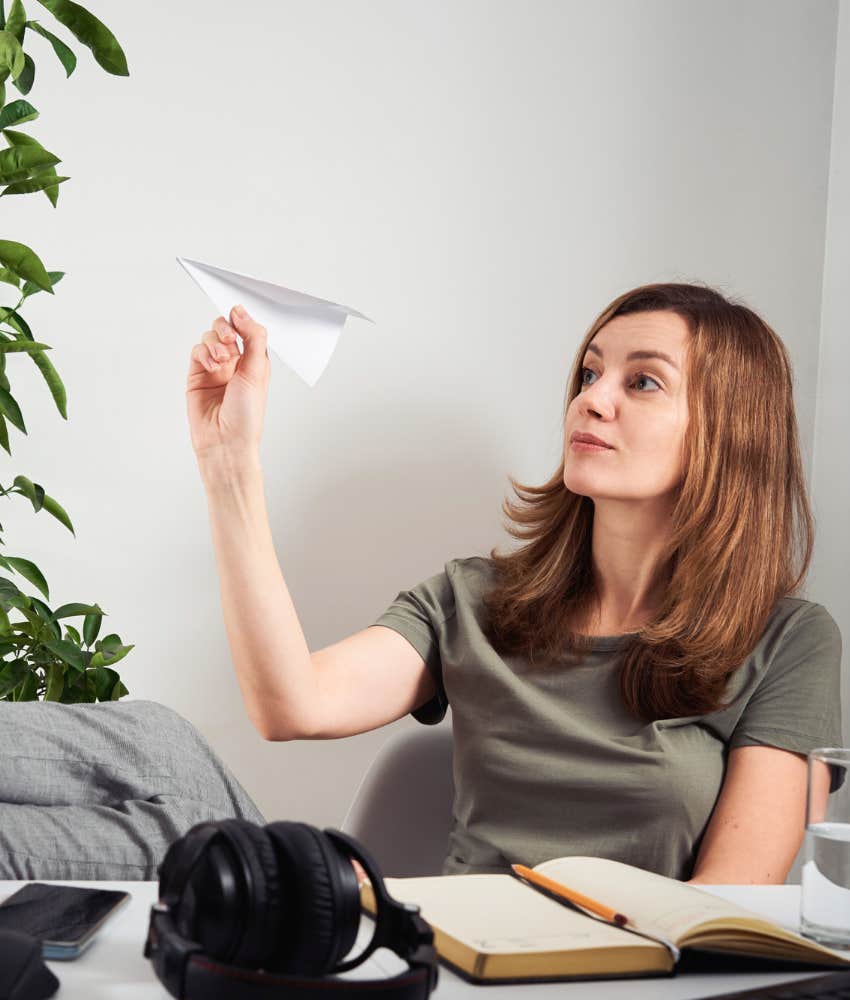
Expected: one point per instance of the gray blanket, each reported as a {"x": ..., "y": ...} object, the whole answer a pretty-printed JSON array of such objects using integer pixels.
[{"x": 99, "y": 791}]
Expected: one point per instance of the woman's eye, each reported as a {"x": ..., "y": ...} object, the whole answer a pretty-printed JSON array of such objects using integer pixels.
[
  {"x": 638, "y": 378},
  {"x": 647, "y": 378}
]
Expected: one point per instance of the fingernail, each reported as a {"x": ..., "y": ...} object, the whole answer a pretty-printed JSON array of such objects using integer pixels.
[{"x": 239, "y": 310}]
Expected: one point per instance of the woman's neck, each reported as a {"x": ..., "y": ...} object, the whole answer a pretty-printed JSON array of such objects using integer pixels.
[{"x": 629, "y": 539}]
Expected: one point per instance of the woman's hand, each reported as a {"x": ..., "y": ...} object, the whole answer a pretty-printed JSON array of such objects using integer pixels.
[
  {"x": 361, "y": 875},
  {"x": 226, "y": 390}
]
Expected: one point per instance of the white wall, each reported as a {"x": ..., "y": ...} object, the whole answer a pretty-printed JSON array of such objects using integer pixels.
[
  {"x": 830, "y": 474},
  {"x": 480, "y": 178}
]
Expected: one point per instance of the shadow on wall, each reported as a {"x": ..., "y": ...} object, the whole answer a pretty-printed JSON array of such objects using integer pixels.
[{"x": 405, "y": 501}]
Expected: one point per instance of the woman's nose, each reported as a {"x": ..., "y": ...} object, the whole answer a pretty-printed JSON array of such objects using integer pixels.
[{"x": 596, "y": 398}]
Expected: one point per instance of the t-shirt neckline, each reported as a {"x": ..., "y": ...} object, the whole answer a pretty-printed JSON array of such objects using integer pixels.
[{"x": 609, "y": 641}]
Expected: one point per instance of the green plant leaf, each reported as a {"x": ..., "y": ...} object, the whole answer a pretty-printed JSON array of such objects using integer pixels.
[
  {"x": 55, "y": 682},
  {"x": 11, "y": 410},
  {"x": 23, "y": 261},
  {"x": 39, "y": 499},
  {"x": 33, "y": 624},
  {"x": 15, "y": 320},
  {"x": 32, "y": 491},
  {"x": 118, "y": 692},
  {"x": 5, "y": 624},
  {"x": 15, "y": 138},
  {"x": 52, "y": 507},
  {"x": 17, "y": 20},
  {"x": 55, "y": 385},
  {"x": 109, "y": 655},
  {"x": 31, "y": 289},
  {"x": 24, "y": 82},
  {"x": 42, "y": 610},
  {"x": 41, "y": 361},
  {"x": 22, "y": 161},
  {"x": 72, "y": 610},
  {"x": 72, "y": 635},
  {"x": 79, "y": 689},
  {"x": 105, "y": 680},
  {"x": 46, "y": 615},
  {"x": 67, "y": 652},
  {"x": 22, "y": 603},
  {"x": 91, "y": 626},
  {"x": 111, "y": 641},
  {"x": 22, "y": 139},
  {"x": 66, "y": 55},
  {"x": 29, "y": 571},
  {"x": 28, "y": 691},
  {"x": 92, "y": 33},
  {"x": 22, "y": 347},
  {"x": 7, "y": 276},
  {"x": 11, "y": 55},
  {"x": 8, "y": 588},
  {"x": 11, "y": 676},
  {"x": 17, "y": 113},
  {"x": 40, "y": 183}
]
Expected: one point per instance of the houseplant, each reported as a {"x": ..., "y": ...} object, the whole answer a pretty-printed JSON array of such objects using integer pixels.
[{"x": 36, "y": 659}]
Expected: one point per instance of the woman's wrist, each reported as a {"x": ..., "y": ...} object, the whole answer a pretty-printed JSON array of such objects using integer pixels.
[{"x": 227, "y": 464}]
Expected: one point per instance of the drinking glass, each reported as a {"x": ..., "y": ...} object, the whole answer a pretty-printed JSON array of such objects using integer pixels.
[{"x": 825, "y": 884}]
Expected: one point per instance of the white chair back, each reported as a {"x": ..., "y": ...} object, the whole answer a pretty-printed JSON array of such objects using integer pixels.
[{"x": 402, "y": 809}]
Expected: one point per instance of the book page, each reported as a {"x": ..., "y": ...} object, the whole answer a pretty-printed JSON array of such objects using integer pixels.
[
  {"x": 499, "y": 914},
  {"x": 656, "y": 903}
]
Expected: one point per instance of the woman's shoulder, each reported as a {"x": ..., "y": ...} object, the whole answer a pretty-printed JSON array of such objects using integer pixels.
[
  {"x": 472, "y": 572},
  {"x": 792, "y": 614},
  {"x": 799, "y": 630}
]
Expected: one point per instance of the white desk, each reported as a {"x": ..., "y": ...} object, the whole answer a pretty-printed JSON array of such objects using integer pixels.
[{"x": 114, "y": 968}]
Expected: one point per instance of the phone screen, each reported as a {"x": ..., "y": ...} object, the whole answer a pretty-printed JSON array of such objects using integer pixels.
[{"x": 64, "y": 917}]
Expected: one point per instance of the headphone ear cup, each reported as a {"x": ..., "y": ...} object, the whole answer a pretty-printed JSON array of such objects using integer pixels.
[
  {"x": 237, "y": 907},
  {"x": 320, "y": 897}
]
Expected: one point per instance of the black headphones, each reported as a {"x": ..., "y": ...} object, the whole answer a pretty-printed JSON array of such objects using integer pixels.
[{"x": 240, "y": 902}]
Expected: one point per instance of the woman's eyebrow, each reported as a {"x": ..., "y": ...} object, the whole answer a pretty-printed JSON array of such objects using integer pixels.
[{"x": 638, "y": 355}]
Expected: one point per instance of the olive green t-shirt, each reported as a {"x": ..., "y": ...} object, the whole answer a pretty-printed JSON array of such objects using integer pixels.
[{"x": 548, "y": 762}]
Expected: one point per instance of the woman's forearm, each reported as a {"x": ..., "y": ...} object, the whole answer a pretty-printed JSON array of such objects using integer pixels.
[{"x": 267, "y": 644}]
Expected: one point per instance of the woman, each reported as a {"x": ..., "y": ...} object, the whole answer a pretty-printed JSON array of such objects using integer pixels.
[{"x": 637, "y": 681}]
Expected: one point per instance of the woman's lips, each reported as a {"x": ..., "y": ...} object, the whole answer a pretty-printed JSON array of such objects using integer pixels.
[{"x": 586, "y": 446}]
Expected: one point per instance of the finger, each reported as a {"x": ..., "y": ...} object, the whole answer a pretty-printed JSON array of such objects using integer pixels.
[
  {"x": 361, "y": 874},
  {"x": 202, "y": 360},
  {"x": 226, "y": 333},
  {"x": 219, "y": 350},
  {"x": 255, "y": 359}
]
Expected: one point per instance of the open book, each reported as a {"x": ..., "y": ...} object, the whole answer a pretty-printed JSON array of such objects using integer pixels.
[{"x": 492, "y": 928}]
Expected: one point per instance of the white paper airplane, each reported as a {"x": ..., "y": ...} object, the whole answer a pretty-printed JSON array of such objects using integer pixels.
[{"x": 303, "y": 330}]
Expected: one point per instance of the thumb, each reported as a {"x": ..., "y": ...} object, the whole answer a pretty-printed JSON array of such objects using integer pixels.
[{"x": 254, "y": 339}]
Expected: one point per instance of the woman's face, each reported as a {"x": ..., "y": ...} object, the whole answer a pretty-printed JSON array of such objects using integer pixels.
[{"x": 638, "y": 406}]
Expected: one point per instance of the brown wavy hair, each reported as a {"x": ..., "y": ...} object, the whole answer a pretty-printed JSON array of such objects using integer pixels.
[{"x": 741, "y": 533}]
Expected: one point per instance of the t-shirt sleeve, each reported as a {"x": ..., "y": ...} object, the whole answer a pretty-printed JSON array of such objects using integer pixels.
[
  {"x": 797, "y": 704},
  {"x": 419, "y": 614}
]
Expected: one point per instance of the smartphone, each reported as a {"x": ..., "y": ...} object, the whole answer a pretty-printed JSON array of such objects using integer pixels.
[{"x": 65, "y": 917}]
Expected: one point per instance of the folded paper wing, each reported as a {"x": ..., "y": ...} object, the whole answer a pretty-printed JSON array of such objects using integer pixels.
[{"x": 303, "y": 330}]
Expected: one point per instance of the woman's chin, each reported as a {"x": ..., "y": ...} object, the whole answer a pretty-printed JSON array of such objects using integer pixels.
[{"x": 584, "y": 486}]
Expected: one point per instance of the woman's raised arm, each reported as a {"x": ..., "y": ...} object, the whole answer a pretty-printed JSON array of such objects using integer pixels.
[{"x": 364, "y": 681}]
